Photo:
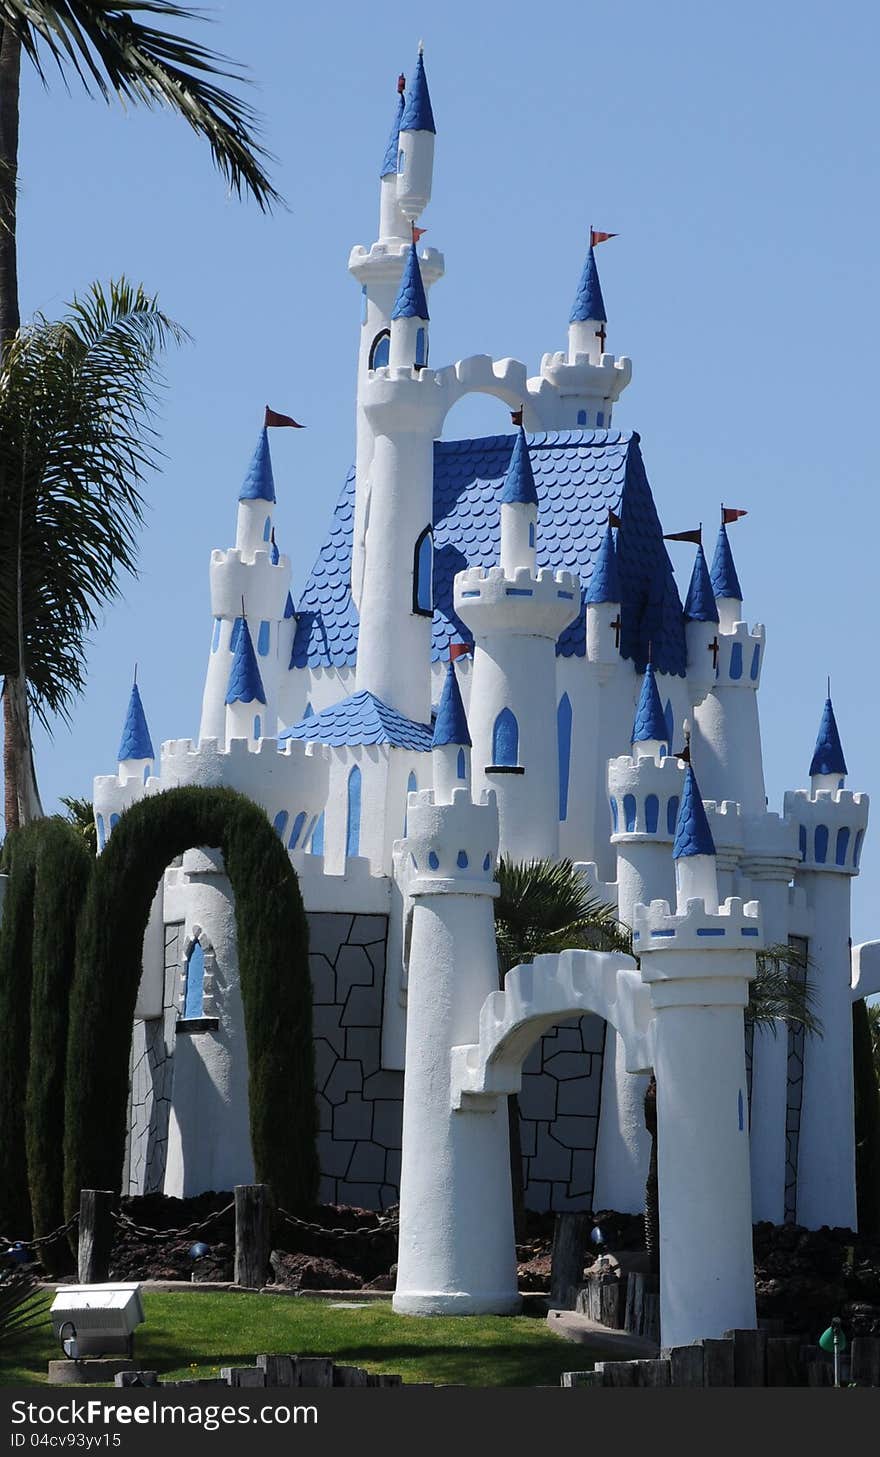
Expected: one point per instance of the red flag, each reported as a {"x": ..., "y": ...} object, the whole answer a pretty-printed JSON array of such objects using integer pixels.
[
  {"x": 730, "y": 513},
  {"x": 695, "y": 536},
  {"x": 273, "y": 418},
  {"x": 613, "y": 519},
  {"x": 459, "y": 650},
  {"x": 401, "y": 84},
  {"x": 417, "y": 232},
  {"x": 596, "y": 237},
  {"x": 516, "y": 416}
]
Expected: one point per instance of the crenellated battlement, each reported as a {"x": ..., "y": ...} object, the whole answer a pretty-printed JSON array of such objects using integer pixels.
[
  {"x": 383, "y": 262},
  {"x": 830, "y": 827},
  {"x": 524, "y": 603},
  {"x": 580, "y": 376},
  {"x": 644, "y": 794},
  {"x": 451, "y": 848},
  {"x": 263, "y": 586},
  {"x": 740, "y": 656},
  {"x": 736, "y": 926},
  {"x": 770, "y": 847}
]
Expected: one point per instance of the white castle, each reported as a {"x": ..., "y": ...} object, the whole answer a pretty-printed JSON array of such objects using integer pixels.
[{"x": 491, "y": 656}]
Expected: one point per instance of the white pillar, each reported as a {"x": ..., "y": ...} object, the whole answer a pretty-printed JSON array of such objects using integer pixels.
[
  {"x": 456, "y": 1252},
  {"x": 699, "y": 988}
]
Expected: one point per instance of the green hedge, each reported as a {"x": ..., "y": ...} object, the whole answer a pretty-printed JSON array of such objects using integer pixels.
[
  {"x": 16, "y": 948},
  {"x": 275, "y": 988},
  {"x": 867, "y": 1111}
]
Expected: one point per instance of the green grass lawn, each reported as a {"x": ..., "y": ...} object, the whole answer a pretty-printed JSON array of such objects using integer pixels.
[{"x": 209, "y": 1330}]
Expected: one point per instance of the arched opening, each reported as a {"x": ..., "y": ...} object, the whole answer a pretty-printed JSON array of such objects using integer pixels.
[
  {"x": 380, "y": 350},
  {"x": 353, "y": 819},
  {"x": 423, "y": 574},
  {"x": 505, "y": 739},
  {"x": 194, "y": 995}
]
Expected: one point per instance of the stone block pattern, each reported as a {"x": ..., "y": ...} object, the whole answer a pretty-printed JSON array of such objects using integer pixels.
[
  {"x": 559, "y": 1115},
  {"x": 360, "y": 1105},
  {"x": 151, "y": 1073}
]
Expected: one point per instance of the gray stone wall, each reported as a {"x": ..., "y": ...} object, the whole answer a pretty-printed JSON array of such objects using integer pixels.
[
  {"x": 151, "y": 1072},
  {"x": 559, "y": 1115}
]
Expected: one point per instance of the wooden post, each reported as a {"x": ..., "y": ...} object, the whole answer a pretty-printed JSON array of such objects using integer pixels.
[
  {"x": 749, "y": 1357},
  {"x": 567, "y": 1259},
  {"x": 718, "y": 1369},
  {"x": 865, "y": 1360},
  {"x": 279, "y": 1369},
  {"x": 96, "y": 1232},
  {"x": 784, "y": 1366},
  {"x": 253, "y": 1234},
  {"x": 685, "y": 1366}
]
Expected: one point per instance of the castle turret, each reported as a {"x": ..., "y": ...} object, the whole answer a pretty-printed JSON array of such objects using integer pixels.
[
  {"x": 136, "y": 755},
  {"x": 586, "y": 324},
  {"x": 603, "y": 605},
  {"x": 245, "y": 694},
  {"x": 253, "y": 530},
  {"x": 693, "y": 850},
  {"x": 650, "y": 734},
  {"x": 725, "y": 583},
  {"x": 415, "y": 159},
  {"x": 831, "y": 825},
  {"x": 409, "y": 318},
  {"x": 827, "y": 766},
  {"x": 519, "y": 510},
  {"x": 516, "y": 617},
  {"x": 588, "y": 379},
  {"x": 451, "y": 745},
  {"x": 700, "y": 624},
  {"x": 392, "y": 223}
]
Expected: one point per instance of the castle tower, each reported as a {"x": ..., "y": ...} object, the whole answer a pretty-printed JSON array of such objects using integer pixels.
[
  {"x": 516, "y": 616},
  {"x": 588, "y": 379},
  {"x": 451, "y": 745},
  {"x": 245, "y": 694},
  {"x": 379, "y": 269},
  {"x": 831, "y": 825},
  {"x": 644, "y": 790},
  {"x": 827, "y": 766},
  {"x": 726, "y": 661},
  {"x": 253, "y": 571},
  {"x": 456, "y": 1251},
  {"x": 409, "y": 318},
  {"x": 698, "y": 964},
  {"x": 611, "y": 682}
]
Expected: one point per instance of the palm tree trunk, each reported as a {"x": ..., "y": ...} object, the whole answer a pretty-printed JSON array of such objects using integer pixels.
[{"x": 22, "y": 796}]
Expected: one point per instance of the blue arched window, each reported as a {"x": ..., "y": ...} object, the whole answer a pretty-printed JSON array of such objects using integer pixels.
[
  {"x": 857, "y": 851},
  {"x": 802, "y": 841},
  {"x": 736, "y": 660},
  {"x": 669, "y": 720},
  {"x": 531, "y": 533},
  {"x": 318, "y": 836},
  {"x": 401, "y": 159},
  {"x": 505, "y": 739},
  {"x": 380, "y": 350},
  {"x": 193, "y": 1002},
  {"x": 364, "y": 302},
  {"x": 461, "y": 764},
  {"x": 280, "y": 822},
  {"x": 263, "y": 639},
  {"x": 582, "y": 417},
  {"x": 671, "y": 814},
  {"x": 629, "y": 812},
  {"x": 423, "y": 574},
  {"x": 258, "y": 726},
  {"x": 820, "y": 844},
  {"x": 613, "y": 803},
  {"x": 756, "y": 662},
  {"x": 563, "y": 738},
  {"x": 267, "y": 528},
  {"x": 297, "y": 830},
  {"x": 652, "y": 813},
  {"x": 421, "y": 348},
  {"x": 600, "y": 419},
  {"x": 102, "y": 837},
  {"x": 353, "y": 822},
  {"x": 842, "y": 846}
]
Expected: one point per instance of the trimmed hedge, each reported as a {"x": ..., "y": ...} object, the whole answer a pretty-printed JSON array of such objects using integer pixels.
[
  {"x": 16, "y": 948},
  {"x": 275, "y": 988}
]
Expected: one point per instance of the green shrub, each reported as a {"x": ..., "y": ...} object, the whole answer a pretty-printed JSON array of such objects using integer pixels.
[
  {"x": 275, "y": 988},
  {"x": 16, "y": 945},
  {"x": 867, "y": 1114}
]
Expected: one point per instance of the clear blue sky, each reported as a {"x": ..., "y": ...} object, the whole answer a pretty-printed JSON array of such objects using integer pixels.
[{"x": 732, "y": 148}]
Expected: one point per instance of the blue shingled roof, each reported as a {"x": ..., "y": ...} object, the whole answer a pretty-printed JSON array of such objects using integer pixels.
[
  {"x": 588, "y": 301},
  {"x": 135, "y": 742},
  {"x": 361, "y": 719},
  {"x": 650, "y": 720},
  {"x": 519, "y": 482},
  {"x": 451, "y": 725},
  {"x": 692, "y": 833},
  {"x": 389, "y": 161},
  {"x": 259, "y": 483},
  {"x": 417, "y": 115},
  {"x": 828, "y": 753},
  {"x": 245, "y": 684},
  {"x": 605, "y": 581},
  {"x": 700, "y": 601},
  {"x": 579, "y": 476},
  {"x": 725, "y": 582},
  {"x": 411, "y": 302}
]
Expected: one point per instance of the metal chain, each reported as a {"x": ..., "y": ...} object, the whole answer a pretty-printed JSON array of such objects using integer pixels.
[
  {"x": 143, "y": 1231},
  {"x": 383, "y": 1227},
  {"x": 41, "y": 1239}
]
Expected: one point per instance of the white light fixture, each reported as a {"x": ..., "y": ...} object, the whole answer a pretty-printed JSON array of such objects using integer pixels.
[{"x": 97, "y": 1320}]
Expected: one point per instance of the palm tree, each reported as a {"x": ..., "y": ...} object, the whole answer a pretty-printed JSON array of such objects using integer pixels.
[
  {"x": 76, "y": 441},
  {"x": 81, "y": 814},
  {"x": 112, "y": 52},
  {"x": 546, "y": 906},
  {"x": 873, "y": 1013}
]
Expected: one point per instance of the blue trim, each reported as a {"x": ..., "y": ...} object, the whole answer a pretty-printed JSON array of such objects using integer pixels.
[
  {"x": 461, "y": 765},
  {"x": 353, "y": 820},
  {"x": 433, "y": 860},
  {"x": 263, "y": 639},
  {"x": 740, "y": 1111},
  {"x": 857, "y": 852},
  {"x": 802, "y": 841},
  {"x": 317, "y": 844},
  {"x": 505, "y": 738},
  {"x": 215, "y": 636},
  {"x": 297, "y": 830},
  {"x": 423, "y": 574},
  {"x": 258, "y": 726},
  {"x": 411, "y": 787},
  {"x": 563, "y": 739},
  {"x": 279, "y": 823},
  {"x": 193, "y": 1003},
  {"x": 841, "y": 846},
  {"x": 519, "y": 592},
  {"x": 380, "y": 350},
  {"x": 711, "y": 931},
  {"x": 259, "y": 482},
  {"x": 671, "y": 814},
  {"x": 417, "y": 113},
  {"x": 629, "y": 812},
  {"x": 749, "y": 931},
  {"x": 828, "y": 753},
  {"x": 820, "y": 844},
  {"x": 613, "y": 806},
  {"x": 102, "y": 834},
  {"x": 652, "y": 813},
  {"x": 462, "y": 860},
  {"x": 756, "y": 662},
  {"x": 267, "y": 529},
  {"x": 736, "y": 661},
  {"x": 421, "y": 348},
  {"x": 487, "y": 863},
  {"x": 669, "y": 721}
]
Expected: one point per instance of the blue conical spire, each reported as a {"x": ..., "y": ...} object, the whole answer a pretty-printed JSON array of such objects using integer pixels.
[
  {"x": 828, "y": 753},
  {"x": 692, "y": 833},
  {"x": 417, "y": 114},
  {"x": 450, "y": 726},
  {"x": 650, "y": 721},
  {"x": 725, "y": 582},
  {"x": 389, "y": 161},
  {"x": 519, "y": 483},
  {"x": 605, "y": 581},
  {"x": 588, "y": 301},
  {"x": 700, "y": 603},
  {"x": 135, "y": 742},
  {"x": 245, "y": 684},
  {"x": 259, "y": 483},
  {"x": 411, "y": 302}
]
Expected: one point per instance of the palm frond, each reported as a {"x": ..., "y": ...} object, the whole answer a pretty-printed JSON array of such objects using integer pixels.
[
  {"x": 782, "y": 991},
  {"x": 22, "y": 1307},
  {"x": 81, "y": 814},
  {"x": 548, "y": 906},
  {"x": 113, "y": 52},
  {"x": 77, "y": 402}
]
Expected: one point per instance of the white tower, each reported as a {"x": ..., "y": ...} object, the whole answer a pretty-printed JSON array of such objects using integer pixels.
[
  {"x": 516, "y": 615},
  {"x": 831, "y": 825},
  {"x": 698, "y": 964}
]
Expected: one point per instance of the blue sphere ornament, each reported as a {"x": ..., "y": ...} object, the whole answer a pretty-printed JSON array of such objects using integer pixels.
[
  {"x": 19, "y": 1253},
  {"x": 597, "y": 1236},
  {"x": 199, "y": 1250}
]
